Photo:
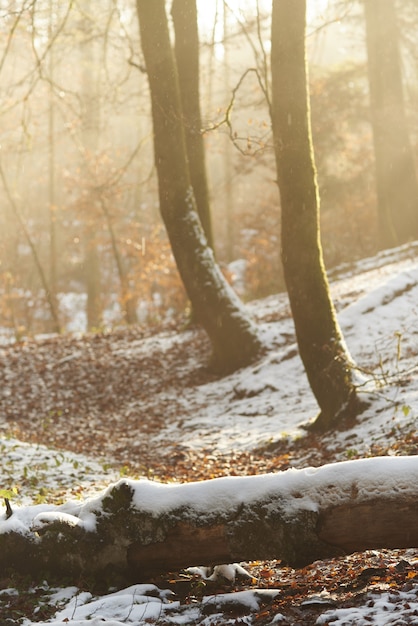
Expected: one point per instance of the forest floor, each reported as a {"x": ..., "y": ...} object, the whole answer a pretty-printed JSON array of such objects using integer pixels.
[{"x": 77, "y": 412}]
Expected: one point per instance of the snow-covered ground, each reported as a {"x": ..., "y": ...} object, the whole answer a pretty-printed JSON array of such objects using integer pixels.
[
  {"x": 377, "y": 302},
  {"x": 378, "y": 312}
]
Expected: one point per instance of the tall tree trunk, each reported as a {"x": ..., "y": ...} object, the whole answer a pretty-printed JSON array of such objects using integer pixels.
[
  {"x": 53, "y": 255},
  {"x": 128, "y": 300},
  {"x": 92, "y": 278},
  {"x": 90, "y": 136},
  {"x": 227, "y": 164},
  {"x": 186, "y": 50},
  {"x": 396, "y": 177},
  {"x": 234, "y": 338},
  {"x": 322, "y": 349}
]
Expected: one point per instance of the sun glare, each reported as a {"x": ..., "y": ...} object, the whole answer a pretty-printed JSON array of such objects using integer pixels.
[
  {"x": 208, "y": 11},
  {"x": 235, "y": 10},
  {"x": 213, "y": 16}
]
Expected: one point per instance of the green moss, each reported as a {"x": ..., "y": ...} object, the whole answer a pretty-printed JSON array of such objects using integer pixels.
[{"x": 120, "y": 498}]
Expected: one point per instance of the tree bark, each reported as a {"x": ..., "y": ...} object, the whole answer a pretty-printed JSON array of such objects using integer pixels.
[
  {"x": 327, "y": 363},
  {"x": 396, "y": 177},
  {"x": 127, "y": 298},
  {"x": 90, "y": 131},
  {"x": 52, "y": 166},
  {"x": 234, "y": 338},
  {"x": 139, "y": 528},
  {"x": 186, "y": 50}
]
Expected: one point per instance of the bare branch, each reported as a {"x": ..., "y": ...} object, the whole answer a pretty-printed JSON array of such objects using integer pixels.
[
  {"x": 11, "y": 34},
  {"x": 227, "y": 117},
  {"x": 31, "y": 244}
]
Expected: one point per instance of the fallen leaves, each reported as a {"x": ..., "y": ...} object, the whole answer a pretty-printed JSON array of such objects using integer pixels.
[
  {"x": 301, "y": 595},
  {"x": 91, "y": 393},
  {"x": 106, "y": 395}
]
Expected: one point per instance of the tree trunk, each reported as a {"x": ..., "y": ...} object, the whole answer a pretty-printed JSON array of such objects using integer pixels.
[
  {"x": 91, "y": 269},
  {"x": 227, "y": 149},
  {"x": 234, "y": 338},
  {"x": 186, "y": 50},
  {"x": 52, "y": 200},
  {"x": 396, "y": 177},
  {"x": 127, "y": 299},
  {"x": 138, "y": 528},
  {"x": 321, "y": 345},
  {"x": 90, "y": 136}
]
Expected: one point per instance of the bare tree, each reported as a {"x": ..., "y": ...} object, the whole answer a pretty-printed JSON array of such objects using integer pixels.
[
  {"x": 53, "y": 255},
  {"x": 90, "y": 136},
  {"x": 38, "y": 264}
]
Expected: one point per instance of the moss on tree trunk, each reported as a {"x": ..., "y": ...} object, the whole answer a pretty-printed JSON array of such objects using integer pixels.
[
  {"x": 138, "y": 528},
  {"x": 234, "y": 338},
  {"x": 186, "y": 51},
  {"x": 324, "y": 355}
]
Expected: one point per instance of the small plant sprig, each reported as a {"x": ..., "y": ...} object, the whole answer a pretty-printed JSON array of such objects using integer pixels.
[{"x": 7, "y": 495}]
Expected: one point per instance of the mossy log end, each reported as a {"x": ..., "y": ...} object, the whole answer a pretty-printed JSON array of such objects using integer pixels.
[{"x": 138, "y": 529}]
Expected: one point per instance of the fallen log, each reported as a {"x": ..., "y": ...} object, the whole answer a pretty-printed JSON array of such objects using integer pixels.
[{"x": 137, "y": 528}]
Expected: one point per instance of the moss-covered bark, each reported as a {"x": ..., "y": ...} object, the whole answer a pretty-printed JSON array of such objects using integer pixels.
[
  {"x": 234, "y": 338},
  {"x": 186, "y": 50},
  {"x": 324, "y": 355},
  {"x": 139, "y": 528},
  {"x": 131, "y": 544},
  {"x": 396, "y": 177}
]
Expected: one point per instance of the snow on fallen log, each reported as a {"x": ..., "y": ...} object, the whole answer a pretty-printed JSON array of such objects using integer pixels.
[{"x": 135, "y": 528}]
